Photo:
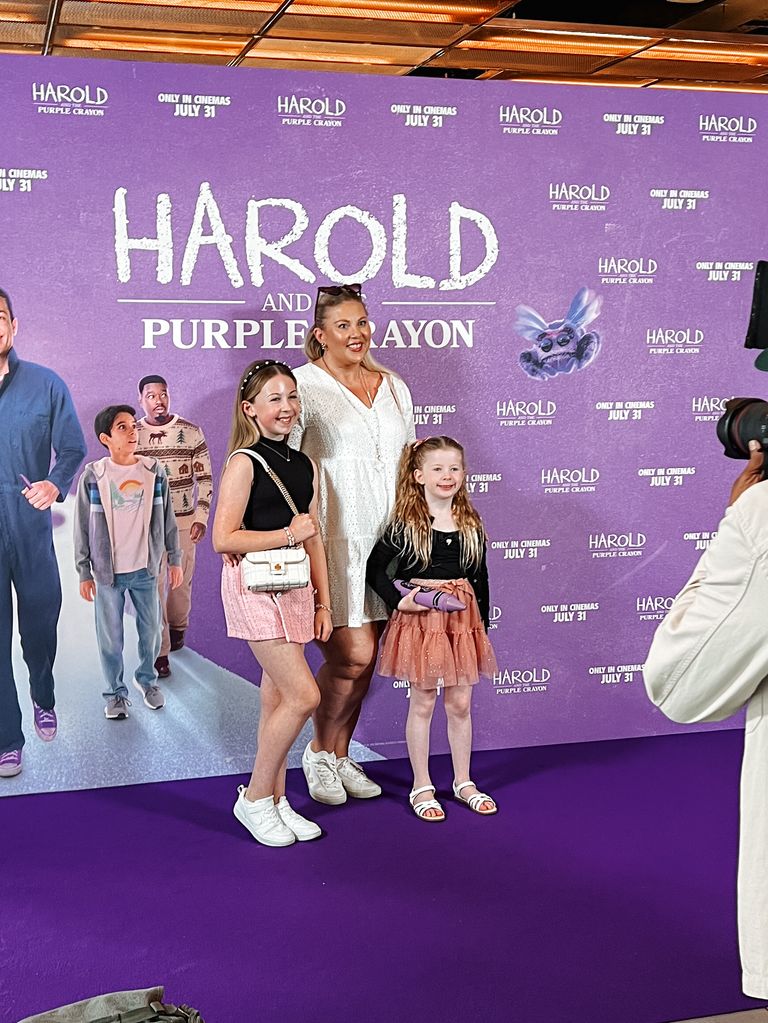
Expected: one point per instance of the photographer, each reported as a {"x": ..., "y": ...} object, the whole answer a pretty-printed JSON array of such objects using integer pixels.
[{"x": 708, "y": 659}]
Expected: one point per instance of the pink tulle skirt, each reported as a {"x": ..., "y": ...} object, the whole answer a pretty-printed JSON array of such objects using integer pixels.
[{"x": 438, "y": 648}]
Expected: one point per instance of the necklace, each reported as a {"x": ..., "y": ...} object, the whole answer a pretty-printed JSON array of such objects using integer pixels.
[
  {"x": 365, "y": 388},
  {"x": 362, "y": 382},
  {"x": 275, "y": 446},
  {"x": 375, "y": 436}
]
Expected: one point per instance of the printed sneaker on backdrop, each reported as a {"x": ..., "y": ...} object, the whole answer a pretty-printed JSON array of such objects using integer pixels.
[
  {"x": 45, "y": 722},
  {"x": 162, "y": 667},
  {"x": 152, "y": 695},
  {"x": 116, "y": 708},
  {"x": 354, "y": 779},
  {"x": 10, "y": 763},
  {"x": 322, "y": 777}
]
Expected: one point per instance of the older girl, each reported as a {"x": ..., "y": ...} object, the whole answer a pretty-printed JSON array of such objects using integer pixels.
[{"x": 253, "y": 515}]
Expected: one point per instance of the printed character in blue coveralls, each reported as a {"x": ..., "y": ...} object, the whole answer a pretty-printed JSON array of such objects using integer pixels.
[{"x": 36, "y": 415}]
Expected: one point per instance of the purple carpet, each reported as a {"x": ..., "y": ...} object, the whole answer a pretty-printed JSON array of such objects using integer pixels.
[{"x": 603, "y": 892}]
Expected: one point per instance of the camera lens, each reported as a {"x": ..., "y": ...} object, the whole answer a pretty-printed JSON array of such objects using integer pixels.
[{"x": 744, "y": 419}]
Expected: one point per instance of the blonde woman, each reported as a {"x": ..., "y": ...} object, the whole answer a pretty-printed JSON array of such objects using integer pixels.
[
  {"x": 253, "y": 515},
  {"x": 356, "y": 417}
]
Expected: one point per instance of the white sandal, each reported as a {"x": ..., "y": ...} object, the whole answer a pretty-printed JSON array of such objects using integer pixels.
[
  {"x": 475, "y": 801},
  {"x": 420, "y": 809}
]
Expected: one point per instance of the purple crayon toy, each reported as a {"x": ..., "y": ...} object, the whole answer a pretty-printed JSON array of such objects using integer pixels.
[{"x": 437, "y": 600}]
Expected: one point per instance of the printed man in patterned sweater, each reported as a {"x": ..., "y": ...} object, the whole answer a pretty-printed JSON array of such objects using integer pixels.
[{"x": 180, "y": 447}]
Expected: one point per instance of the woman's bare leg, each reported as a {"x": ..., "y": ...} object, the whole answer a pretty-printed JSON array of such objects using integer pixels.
[{"x": 344, "y": 678}]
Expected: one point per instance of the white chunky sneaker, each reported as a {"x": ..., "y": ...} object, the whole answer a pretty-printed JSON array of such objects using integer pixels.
[
  {"x": 354, "y": 779},
  {"x": 304, "y": 830},
  {"x": 262, "y": 820},
  {"x": 322, "y": 777}
]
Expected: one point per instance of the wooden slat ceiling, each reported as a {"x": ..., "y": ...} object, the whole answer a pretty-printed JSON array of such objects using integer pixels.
[{"x": 475, "y": 38}]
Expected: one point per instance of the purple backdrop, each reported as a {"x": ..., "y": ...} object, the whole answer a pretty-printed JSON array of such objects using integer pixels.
[{"x": 455, "y": 202}]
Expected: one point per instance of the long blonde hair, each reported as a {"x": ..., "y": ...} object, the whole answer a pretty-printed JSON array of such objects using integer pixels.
[
  {"x": 326, "y": 301},
  {"x": 410, "y": 523},
  {"x": 244, "y": 431}
]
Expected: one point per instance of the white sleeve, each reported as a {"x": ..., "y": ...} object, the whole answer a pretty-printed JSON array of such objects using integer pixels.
[
  {"x": 297, "y": 432},
  {"x": 710, "y": 653}
]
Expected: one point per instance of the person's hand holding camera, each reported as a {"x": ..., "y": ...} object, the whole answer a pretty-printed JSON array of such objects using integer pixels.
[{"x": 751, "y": 474}]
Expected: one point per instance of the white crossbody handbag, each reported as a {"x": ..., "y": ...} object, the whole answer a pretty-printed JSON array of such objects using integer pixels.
[{"x": 283, "y": 568}]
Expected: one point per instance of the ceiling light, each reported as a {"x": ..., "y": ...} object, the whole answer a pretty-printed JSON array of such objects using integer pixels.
[
  {"x": 396, "y": 10},
  {"x": 588, "y": 35},
  {"x": 709, "y": 86},
  {"x": 615, "y": 83},
  {"x": 151, "y": 42},
  {"x": 722, "y": 54},
  {"x": 22, "y": 16},
  {"x": 529, "y": 43}
]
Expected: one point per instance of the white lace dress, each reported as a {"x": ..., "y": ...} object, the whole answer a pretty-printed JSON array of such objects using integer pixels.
[{"x": 357, "y": 450}]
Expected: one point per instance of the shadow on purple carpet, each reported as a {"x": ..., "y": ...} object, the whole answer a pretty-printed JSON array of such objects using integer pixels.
[{"x": 603, "y": 892}]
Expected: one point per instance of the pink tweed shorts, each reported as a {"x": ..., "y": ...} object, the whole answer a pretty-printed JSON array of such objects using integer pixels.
[{"x": 258, "y": 616}]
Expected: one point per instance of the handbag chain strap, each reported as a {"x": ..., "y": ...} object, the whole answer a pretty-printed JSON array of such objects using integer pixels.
[{"x": 272, "y": 475}]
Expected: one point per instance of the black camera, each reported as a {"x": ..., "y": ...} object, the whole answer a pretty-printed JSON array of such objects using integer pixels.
[{"x": 744, "y": 419}]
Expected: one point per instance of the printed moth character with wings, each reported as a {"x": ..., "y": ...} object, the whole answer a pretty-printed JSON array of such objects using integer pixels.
[{"x": 563, "y": 345}]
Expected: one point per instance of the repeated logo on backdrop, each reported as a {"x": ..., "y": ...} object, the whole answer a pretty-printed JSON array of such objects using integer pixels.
[
  {"x": 84, "y": 99},
  {"x": 519, "y": 119},
  {"x": 728, "y": 128}
]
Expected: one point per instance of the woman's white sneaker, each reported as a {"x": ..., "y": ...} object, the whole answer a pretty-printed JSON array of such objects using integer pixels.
[
  {"x": 322, "y": 777},
  {"x": 304, "y": 830},
  {"x": 262, "y": 820},
  {"x": 354, "y": 779}
]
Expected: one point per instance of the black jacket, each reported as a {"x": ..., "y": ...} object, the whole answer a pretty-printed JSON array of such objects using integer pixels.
[{"x": 388, "y": 561}]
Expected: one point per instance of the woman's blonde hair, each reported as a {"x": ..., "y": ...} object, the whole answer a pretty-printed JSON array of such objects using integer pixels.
[
  {"x": 244, "y": 430},
  {"x": 327, "y": 300},
  {"x": 410, "y": 523}
]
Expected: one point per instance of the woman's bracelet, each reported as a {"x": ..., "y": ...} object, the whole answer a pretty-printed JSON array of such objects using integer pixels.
[
  {"x": 291, "y": 537},
  {"x": 323, "y": 607}
]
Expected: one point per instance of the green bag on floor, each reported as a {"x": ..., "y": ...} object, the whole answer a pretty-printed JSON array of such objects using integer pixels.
[{"x": 120, "y": 1007}]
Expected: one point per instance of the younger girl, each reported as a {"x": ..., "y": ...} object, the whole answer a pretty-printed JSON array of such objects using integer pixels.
[
  {"x": 435, "y": 538},
  {"x": 253, "y": 515}
]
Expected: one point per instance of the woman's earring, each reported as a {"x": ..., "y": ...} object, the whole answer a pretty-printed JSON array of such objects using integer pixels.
[{"x": 324, "y": 347}]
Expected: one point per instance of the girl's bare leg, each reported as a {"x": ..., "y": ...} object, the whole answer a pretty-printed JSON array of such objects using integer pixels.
[
  {"x": 291, "y": 696},
  {"x": 421, "y": 706},
  {"x": 458, "y": 703},
  {"x": 270, "y": 698}
]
